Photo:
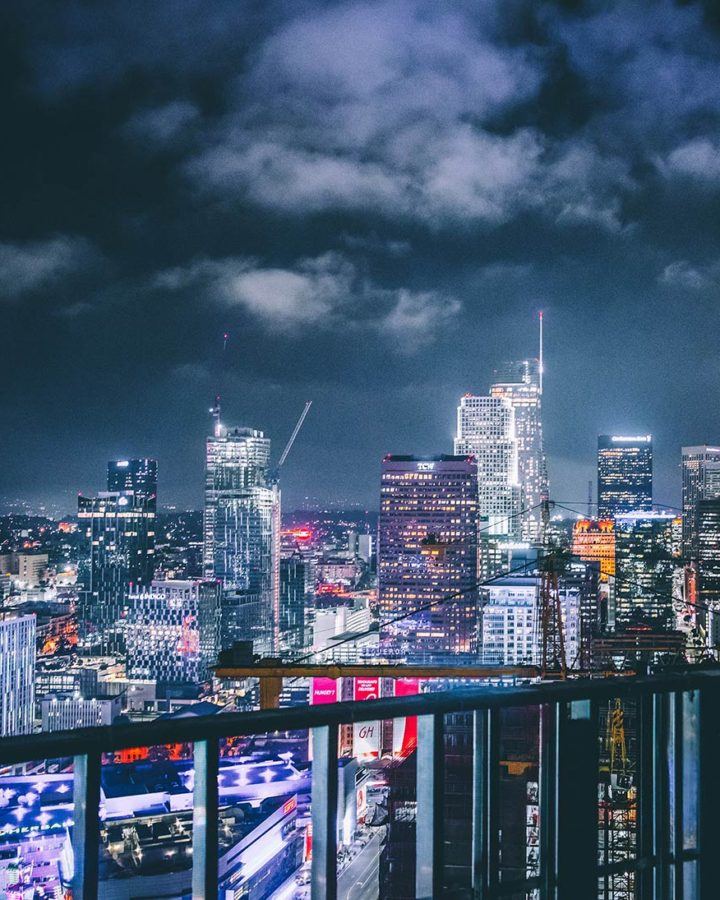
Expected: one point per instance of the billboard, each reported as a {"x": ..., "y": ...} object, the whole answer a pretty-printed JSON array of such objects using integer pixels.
[
  {"x": 324, "y": 690},
  {"x": 405, "y": 729},
  {"x": 366, "y": 735}
]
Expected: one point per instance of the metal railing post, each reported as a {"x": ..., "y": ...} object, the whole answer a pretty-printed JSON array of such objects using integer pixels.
[
  {"x": 661, "y": 804},
  {"x": 323, "y": 873},
  {"x": 86, "y": 825},
  {"x": 481, "y": 730},
  {"x": 678, "y": 841},
  {"x": 486, "y": 772},
  {"x": 548, "y": 799},
  {"x": 429, "y": 831},
  {"x": 647, "y": 737},
  {"x": 577, "y": 806},
  {"x": 205, "y": 821},
  {"x": 708, "y": 775}
]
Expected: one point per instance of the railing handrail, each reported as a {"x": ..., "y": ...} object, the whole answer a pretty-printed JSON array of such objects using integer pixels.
[{"x": 109, "y": 738}]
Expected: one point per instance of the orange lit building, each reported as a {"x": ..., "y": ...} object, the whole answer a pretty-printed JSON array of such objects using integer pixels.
[{"x": 594, "y": 541}]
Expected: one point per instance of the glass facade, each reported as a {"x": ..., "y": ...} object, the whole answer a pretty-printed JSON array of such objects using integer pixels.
[
  {"x": 427, "y": 549},
  {"x": 700, "y": 481},
  {"x": 624, "y": 474},
  {"x": 519, "y": 383},
  {"x": 173, "y": 631},
  {"x": 645, "y": 562},
  {"x": 17, "y": 675},
  {"x": 707, "y": 549},
  {"x": 241, "y": 525},
  {"x": 120, "y": 528},
  {"x": 486, "y": 430},
  {"x": 136, "y": 475},
  {"x": 296, "y": 588}
]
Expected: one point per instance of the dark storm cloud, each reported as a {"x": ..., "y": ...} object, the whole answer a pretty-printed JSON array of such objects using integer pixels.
[{"x": 374, "y": 199}]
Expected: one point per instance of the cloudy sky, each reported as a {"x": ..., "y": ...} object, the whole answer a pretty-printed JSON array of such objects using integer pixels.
[{"x": 374, "y": 199}]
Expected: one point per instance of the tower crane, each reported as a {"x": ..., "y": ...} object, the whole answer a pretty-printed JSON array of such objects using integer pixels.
[{"x": 291, "y": 441}]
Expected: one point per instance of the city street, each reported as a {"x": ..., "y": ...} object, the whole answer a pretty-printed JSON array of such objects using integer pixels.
[{"x": 359, "y": 881}]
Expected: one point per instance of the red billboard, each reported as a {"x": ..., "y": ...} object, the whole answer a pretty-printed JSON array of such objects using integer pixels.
[{"x": 405, "y": 729}]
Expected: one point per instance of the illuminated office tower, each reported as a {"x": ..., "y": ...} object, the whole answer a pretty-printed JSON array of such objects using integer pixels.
[
  {"x": 624, "y": 474},
  {"x": 296, "y": 592},
  {"x": 519, "y": 383},
  {"x": 17, "y": 675},
  {"x": 427, "y": 549},
  {"x": 173, "y": 631},
  {"x": 593, "y": 540},
  {"x": 136, "y": 475},
  {"x": 241, "y": 529},
  {"x": 486, "y": 430},
  {"x": 510, "y": 627},
  {"x": 645, "y": 564},
  {"x": 700, "y": 481},
  {"x": 706, "y": 549},
  {"x": 120, "y": 529}
]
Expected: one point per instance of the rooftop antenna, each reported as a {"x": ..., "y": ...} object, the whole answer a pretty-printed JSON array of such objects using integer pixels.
[
  {"x": 215, "y": 413},
  {"x": 540, "y": 359},
  {"x": 215, "y": 408}
]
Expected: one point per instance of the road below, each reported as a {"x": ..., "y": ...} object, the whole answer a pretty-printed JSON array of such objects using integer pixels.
[{"x": 359, "y": 881}]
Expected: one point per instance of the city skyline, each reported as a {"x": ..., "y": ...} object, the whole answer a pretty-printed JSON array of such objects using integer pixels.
[{"x": 409, "y": 231}]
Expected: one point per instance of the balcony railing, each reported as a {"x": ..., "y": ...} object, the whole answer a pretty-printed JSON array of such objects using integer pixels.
[{"x": 678, "y": 756}]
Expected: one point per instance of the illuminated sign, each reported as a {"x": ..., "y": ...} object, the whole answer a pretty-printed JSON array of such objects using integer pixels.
[
  {"x": 324, "y": 690},
  {"x": 634, "y": 439},
  {"x": 122, "y": 464},
  {"x": 366, "y": 735},
  {"x": 425, "y": 466}
]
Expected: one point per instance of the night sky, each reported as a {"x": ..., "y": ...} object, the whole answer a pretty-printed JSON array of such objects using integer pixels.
[{"x": 374, "y": 200}]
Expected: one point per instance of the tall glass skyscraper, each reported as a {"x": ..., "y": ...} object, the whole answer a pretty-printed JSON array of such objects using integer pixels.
[
  {"x": 241, "y": 526},
  {"x": 624, "y": 474},
  {"x": 427, "y": 549},
  {"x": 645, "y": 563},
  {"x": 17, "y": 675},
  {"x": 520, "y": 384},
  {"x": 486, "y": 430},
  {"x": 120, "y": 528},
  {"x": 706, "y": 549},
  {"x": 700, "y": 481},
  {"x": 137, "y": 475}
]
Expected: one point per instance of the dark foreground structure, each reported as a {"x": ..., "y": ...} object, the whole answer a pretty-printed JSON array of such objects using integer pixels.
[{"x": 676, "y": 782}]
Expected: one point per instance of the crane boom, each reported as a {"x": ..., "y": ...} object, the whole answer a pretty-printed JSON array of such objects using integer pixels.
[{"x": 296, "y": 429}]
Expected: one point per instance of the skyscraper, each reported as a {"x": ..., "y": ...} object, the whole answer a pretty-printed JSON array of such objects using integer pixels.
[
  {"x": 173, "y": 631},
  {"x": 520, "y": 384},
  {"x": 136, "y": 475},
  {"x": 17, "y": 675},
  {"x": 645, "y": 564},
  {"x": 593, "y": 540},
  {"x": 296, "y": 586},
  {"x": 700, "y": 481},
  {"x": 624, "y": 474},
  {"x": 120, "y": 528},
  {"x": 486, "y": 430},
  {"x": 427, "y": 549},
  {"x": 706, "y": 549},
  {"x": 241, "y": 524}
]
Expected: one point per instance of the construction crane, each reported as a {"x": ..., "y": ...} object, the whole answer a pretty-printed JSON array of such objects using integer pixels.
[
  {"x": 615, "y": 736},
  {"x": 552, "y": 636},
  {"x": 291, "y": 441}
]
